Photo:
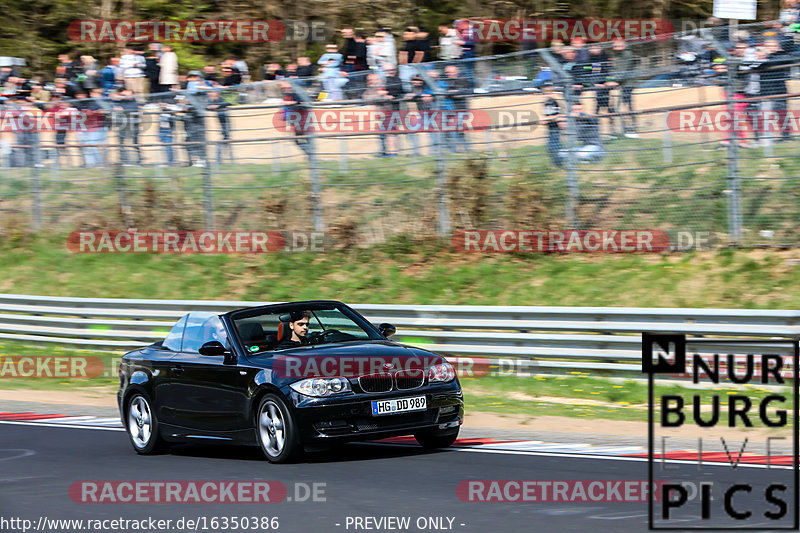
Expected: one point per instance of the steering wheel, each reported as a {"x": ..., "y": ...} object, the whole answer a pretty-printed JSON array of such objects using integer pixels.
[{"x": 318, "y": 337}]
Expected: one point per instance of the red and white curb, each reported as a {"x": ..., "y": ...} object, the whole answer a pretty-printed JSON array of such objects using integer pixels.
[{"x": 466, "y": 444}]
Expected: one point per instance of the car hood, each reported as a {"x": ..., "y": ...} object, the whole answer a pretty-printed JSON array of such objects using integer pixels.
[{"x": 346, "y": 359}]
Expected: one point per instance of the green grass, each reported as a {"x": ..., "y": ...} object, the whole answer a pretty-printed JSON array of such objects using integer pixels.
[
  {"x": 10, "y": 369},
  {"x": 411, "y": 272}
]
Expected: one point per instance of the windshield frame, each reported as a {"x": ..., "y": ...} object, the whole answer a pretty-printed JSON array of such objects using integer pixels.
[{"x": 373, "y": 334}]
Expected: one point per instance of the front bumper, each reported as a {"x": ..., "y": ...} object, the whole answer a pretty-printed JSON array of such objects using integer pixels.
[{"x": 350, "y": 417}]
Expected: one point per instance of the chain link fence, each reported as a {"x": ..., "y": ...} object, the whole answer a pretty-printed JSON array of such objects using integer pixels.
[{"x": 556, "y": 141}]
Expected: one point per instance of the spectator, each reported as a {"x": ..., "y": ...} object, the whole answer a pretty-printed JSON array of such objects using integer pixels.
[
  {"x": 581, "y": 53},
  {"x": 773, "y": 75},
  {"x": 602, "y": 80},
  {"x": 423, "y": 46},
  {"x": 194, "y": 84},
  {"x": 273, "y": 73},
  {"x": 220, "y": 107},
  {"x": 152, "y": 71},
  {"x": 449, "y": 49},
  {"x": 457, "y": 89},
  {"x": 304, "y": 67},
  {"x": 231, "y": 76},
  {"x": 210, "y": 75},
  {"x": 355, "y": 51},
  {"x": 554, "y": 121},
  {"x": 624, "y": 66},
  {"x": 384, "y": 49},
  {"x": 126, "y": 118},
  {"x": 38, "y": 93},
  {"x": 93, "y": 132},
  {"x": 60, "y": 112},
  {"x": 241, "y": 66},
  {"x": 87, "y": 78},
  {"x": 590, "y": 147},
  {"x": 66, "y": 68},
  {"x": 166, "y": 125},
  {"x": 377, "y": 94},
  {"x": 108, "y": 76},
  {"x": 419, "y": 99},
  {"x": 194, "y": 127},
  {"x": 468, "y": 41},
  {"x": 66, "y": 88},
  {"x": 168, "y": 71},
  {"x": 293, "y": 104},
  {"x": 133, "y": 64}
]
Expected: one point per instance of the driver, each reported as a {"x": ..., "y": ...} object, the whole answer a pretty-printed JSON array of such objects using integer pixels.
[{"x": 298, "y": 325}]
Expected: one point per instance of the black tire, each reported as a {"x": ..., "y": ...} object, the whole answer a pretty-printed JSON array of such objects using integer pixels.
[
  {"x": 276, "y": 430},
  {"x": 141, "y": 425},
  {"x": 431, "y": 440}
]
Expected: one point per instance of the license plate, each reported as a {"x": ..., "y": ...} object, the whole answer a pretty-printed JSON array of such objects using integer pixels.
[{"x": 398, "y": 405}]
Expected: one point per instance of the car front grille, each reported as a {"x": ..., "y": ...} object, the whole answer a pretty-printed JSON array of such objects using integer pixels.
[
  {"x": 375, "y": 382},
  {"x": 409, "y": 379},
  {"x": 400, "y": 380}
]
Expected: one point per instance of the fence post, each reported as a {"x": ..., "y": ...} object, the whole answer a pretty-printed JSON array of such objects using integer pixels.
[
  {"x": 666, "y": 140},
  {"x": 734, "y": 183},
  {"x": 443, "y": 223},
  {"x": 573, "y": 196},
  {"x": 36, "y": 185},
  {"x": 317, "y": 215},
  {"x": 200, "y": 103}
]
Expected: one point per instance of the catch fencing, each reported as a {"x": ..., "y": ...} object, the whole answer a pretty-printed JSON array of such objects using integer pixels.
[
  {"x": 599, "y": 340},
  {"x": 249, "y": 171}
]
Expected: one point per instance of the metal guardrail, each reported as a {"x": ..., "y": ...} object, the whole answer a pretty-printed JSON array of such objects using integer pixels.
[{"x": 594, "y": 339}]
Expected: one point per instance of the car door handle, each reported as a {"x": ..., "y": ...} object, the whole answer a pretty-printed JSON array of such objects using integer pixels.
[{"x": 177, "y": 369}]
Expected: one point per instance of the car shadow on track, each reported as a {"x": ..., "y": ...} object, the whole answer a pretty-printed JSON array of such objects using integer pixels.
[{"x": 355, "y": 451}]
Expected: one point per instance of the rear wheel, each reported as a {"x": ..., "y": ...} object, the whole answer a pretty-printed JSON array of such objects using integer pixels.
[
  {"x": 142, "y": 425},
  {"x": 276, "y": 430},
  {"x": 436, "y": 439}
]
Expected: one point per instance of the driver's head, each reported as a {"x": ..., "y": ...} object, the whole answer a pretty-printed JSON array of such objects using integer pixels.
[{"x": 298, "y": 323}]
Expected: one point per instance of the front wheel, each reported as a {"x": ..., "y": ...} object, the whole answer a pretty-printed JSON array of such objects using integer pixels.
[
  {"x": 142, "y": 425},
  {"x": 436, "y": 439},
  {"x": 276, "y": 430}
]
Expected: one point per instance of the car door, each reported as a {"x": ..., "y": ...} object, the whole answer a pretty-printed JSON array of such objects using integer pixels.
[
  {"x": 209, "y": 393},
  {"x": 160, "y": 362}
]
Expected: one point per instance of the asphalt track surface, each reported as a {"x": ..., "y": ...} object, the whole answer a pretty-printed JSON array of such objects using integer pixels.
[{"x": 38, "y": 465}]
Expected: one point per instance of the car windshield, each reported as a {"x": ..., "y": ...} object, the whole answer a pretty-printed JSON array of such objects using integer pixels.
[{"x": 260, "y": 330}]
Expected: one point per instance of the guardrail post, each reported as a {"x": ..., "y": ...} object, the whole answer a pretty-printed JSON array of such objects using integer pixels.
[{"x": 573, "y": 192}]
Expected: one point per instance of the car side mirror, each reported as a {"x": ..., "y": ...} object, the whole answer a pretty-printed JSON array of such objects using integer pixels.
[
  {"x": 213, "y": 348},
  {"x": 387, "y": 330}
]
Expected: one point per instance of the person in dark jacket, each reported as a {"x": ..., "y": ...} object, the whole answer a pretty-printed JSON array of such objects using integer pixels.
[
  {"x": 623, "y": 67},
  {"x": 152, "y": 71},
  {"x": 220, "y": 107},
  {"x": 602, "y": 79},
  {"x": 126, "y": 118},
  {"x": 773, "y": 75},
  {"x": 553, "y": 121}
]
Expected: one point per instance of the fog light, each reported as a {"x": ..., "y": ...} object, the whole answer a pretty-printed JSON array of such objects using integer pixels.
[{"x": 447, "y": 409}]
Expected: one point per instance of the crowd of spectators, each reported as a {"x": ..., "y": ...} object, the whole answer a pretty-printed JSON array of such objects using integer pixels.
[{"x": 417, "y": 71}]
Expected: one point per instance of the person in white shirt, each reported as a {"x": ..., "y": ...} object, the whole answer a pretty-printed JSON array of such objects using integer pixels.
[
  {"x": 132, "y": 64},
  {"x": 168, "y": 76}
]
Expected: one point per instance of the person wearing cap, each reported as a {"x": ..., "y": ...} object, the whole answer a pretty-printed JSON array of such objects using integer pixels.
[{"x": 298, "y": 327}]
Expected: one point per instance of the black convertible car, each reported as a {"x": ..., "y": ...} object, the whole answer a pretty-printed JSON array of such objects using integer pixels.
[{"x": 235, "y": 378}]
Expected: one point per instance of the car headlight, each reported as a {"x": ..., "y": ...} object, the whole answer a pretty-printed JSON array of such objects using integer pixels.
[
  {"x": 321, "y": 387},
  {"x": 443, "y": 372}
]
